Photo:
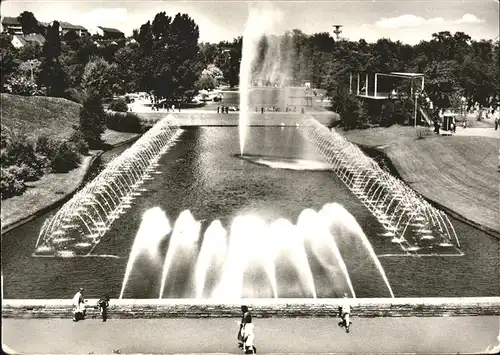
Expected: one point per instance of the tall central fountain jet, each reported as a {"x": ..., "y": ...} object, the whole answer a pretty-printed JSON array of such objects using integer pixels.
[{"x": 262, "y": 20}]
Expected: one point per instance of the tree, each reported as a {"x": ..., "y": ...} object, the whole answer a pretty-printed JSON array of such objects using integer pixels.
[
  {"x": 99, "y": 77},
  {"x": 52, "y": 45},
  {"x": 92, "y": 120},
  {"x": 71, "y": 37},
  {"x": 206, "y": 81},
  {"x": 31, "y": 68},
  {"x": 8, "y": 60},
  {"x": 127, "y": 60},
  {"x": 169, "y": 64},
  {"x": 229, "y": 58},
  {"x": 353, "y": 114},
  {"x": 52, "y": 75},
  {"x": 29, "y": 23},
  {"x": 477, "y": 75}
]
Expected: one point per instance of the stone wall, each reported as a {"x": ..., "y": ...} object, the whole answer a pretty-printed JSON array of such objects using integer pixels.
[{"x": 261, "y": 308}]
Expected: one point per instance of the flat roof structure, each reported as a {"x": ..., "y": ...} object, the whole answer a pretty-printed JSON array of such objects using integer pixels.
[
  {"x": 404, "y": 75},
  {"x": 364, "y": 91}
]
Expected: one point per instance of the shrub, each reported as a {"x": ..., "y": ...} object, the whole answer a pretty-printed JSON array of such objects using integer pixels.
[
  {"x": 5, "y": 138},
  {"x": 74, "y": 95},
  {"x": 47, "y": 146},
  {"x": 19, "y": 149},
  {"x": 119, "y": 105},
  {"x": 11, "y": 182},
  {"x": 92, "y": 120},
  {"x": 78, "y": 138},
  {"x": 66, "y": 158},
  {"x": 20, "y": 85},
  {"x": 124, "y": 122}
]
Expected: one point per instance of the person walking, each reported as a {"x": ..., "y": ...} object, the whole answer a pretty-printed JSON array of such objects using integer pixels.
[
  {"x": 249, "y": 338},
  {"x": 345, "y": 312},
  {"x": 103, "y": 305},
  {"x": 244, "y": 311},
  {"x": 79, "y": 305},
  {"x": 218, "y": 109},
  {"x": 246, "y": 335},
  {"x": 496, "y": 123}
]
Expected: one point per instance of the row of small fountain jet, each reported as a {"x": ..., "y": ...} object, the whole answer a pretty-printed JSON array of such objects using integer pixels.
[
  {"x": 407, "y": 218},
  {"x": 77, "y": 228}
]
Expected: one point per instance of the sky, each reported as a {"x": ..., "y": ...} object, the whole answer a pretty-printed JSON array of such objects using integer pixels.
[{"x": 406, "y": 20}]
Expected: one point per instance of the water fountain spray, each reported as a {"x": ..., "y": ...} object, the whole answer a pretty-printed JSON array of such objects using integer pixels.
[
  {"x": 408, "y": 219},
  {"x": 77, "y": 228}
]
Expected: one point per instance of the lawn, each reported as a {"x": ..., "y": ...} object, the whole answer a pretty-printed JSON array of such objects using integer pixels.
[
  {"x": 41, "y": 193},
  {"x": 458, "y": 172},
  {"x": 54, "y": 117},
  {"x": 36, "y": 115}
]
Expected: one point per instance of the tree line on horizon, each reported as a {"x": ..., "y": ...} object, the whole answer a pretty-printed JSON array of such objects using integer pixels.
[{"x": 164, "y": 57}]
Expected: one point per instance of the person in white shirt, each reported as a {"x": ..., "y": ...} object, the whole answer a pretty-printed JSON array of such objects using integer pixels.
[
  {"x": 79, "y": 304},
  {"x": 345, "y": 312},
  {"x": 249, "y": 338}
]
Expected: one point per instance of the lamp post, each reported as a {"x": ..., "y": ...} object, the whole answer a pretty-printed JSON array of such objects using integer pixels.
[{"x": 415, "y": 113}]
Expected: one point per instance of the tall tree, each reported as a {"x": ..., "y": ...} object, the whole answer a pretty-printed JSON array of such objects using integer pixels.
[
  {"x": 29, "y": 23},
  {"x": 52, "y": 75},
  {"x": 169, "y": 64}
]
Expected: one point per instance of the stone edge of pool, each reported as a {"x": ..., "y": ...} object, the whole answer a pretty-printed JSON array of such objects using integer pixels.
[{"x": 261, "y": 308}]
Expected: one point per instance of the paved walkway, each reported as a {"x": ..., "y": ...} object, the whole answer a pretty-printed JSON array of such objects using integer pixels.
[
  {"x": 273, "y": 335},
  {"x": 478, "y": 132}
]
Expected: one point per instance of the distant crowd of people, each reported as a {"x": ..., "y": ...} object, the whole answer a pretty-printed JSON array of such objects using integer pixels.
[{"x": 225, "y": 109}]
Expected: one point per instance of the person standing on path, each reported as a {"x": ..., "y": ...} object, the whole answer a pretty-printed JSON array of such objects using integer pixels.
[
  {"x": 103, "y": 305},
  {"x": 244, "y": 311},
  {"x": 345, "y": 312},
  {"x": 79, "y": 304}
]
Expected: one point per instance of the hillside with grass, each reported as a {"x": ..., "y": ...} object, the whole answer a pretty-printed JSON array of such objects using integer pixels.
[
  {"x": 36, "y": 115},
  {"x": 459, "y": 172}
]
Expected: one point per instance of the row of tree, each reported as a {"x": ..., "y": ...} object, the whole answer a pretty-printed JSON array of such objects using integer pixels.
[{"x": 165, "y": 58}]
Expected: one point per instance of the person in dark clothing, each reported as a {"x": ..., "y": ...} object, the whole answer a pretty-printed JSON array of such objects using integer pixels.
[
  {"x": 227, "y": 109},
  {"x": 262, "y": 110},
  {"x": 103, "y": 305},
  {"x": 218, "y": 109},
  {"x": 222, "y": 109}
]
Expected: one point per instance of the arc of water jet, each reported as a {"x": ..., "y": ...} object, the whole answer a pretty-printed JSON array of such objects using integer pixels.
[
  {"x": 213, "y": 246},
  {"x": 329, "y": 209},
  {"x": 154, "y": 227},
  {"x": 186, "y": 230}
]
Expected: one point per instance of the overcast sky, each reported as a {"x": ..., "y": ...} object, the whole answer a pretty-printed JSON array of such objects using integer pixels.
[{"x": 407, "y": 20}]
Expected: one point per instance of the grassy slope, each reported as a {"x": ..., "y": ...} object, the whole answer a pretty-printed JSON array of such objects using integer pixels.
[
  {"x": 55, "y": 117},
  {"x": 35, "y": 115},
  {"x": 458, "y": 172}
]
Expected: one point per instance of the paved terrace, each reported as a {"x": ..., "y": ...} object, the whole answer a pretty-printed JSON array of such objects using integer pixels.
[
  {"x": 273, "y": 335},
  {"x": 425, "y": 325}
]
